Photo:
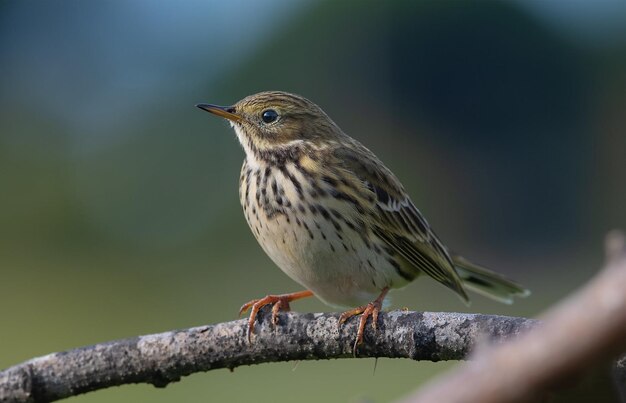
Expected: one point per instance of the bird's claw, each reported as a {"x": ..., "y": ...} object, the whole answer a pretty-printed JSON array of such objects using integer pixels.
[
  {"x": 279, "y": 302},
  {"x": 372, "y": 309}
]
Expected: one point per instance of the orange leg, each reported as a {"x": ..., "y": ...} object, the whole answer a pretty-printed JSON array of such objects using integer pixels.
[
  {"x": 280, "y": 302},
  {"x": 372, "y": 309}
]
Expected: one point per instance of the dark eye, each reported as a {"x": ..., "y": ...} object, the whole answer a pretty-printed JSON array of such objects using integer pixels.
[{"x": 269, "y": 115}]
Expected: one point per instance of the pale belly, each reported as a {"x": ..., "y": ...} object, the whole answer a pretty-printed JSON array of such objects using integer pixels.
[
  {"x": 341, "y": 272},
  {"x": 319, "y": 244}
]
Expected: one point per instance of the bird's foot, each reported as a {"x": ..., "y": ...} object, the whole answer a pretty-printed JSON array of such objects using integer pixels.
[
  {"x": 279, "y": 302},
  {"x": 372, "y": 309}
]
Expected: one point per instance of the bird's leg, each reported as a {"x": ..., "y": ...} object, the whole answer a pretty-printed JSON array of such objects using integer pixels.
[
  {"x": 279, "y": 302},
  {"x": 373, "y": 309}
]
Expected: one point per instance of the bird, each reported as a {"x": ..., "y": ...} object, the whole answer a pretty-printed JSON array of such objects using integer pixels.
[{"x": 333, "y": 217}]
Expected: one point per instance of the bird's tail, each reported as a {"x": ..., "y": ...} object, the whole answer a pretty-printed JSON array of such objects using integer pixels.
[{"x": 486, "y": 282}]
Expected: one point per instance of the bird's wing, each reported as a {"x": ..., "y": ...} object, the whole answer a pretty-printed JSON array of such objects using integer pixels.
[{"x": 397, "y": 221}]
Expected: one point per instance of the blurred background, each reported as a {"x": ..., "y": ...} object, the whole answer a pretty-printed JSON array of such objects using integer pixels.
[{"x": 119, "y": 212}]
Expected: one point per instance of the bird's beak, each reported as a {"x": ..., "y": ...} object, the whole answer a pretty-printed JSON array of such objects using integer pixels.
[{"x": 223, "y": 111}]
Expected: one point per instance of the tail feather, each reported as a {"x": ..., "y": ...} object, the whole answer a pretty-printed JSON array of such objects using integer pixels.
[{"x": 486, "y": 282}]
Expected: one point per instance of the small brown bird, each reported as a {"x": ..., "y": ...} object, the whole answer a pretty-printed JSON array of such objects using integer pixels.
[{"x": 332, "y": 216}]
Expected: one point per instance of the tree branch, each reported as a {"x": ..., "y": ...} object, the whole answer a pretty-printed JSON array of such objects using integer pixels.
[
  {"x": 584, "y": 330},
  {"x": 163, "y": 358}
]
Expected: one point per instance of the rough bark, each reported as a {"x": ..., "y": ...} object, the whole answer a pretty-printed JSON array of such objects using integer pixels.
[
  {"x": 162, "y": 358},
  {"x": 583, "y": 330}
]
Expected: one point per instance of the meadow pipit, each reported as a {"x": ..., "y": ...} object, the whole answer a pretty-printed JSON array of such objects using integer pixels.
[{"x": 332, "y": 216}]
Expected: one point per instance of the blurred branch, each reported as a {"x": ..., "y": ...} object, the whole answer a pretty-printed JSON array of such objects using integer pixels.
[
  {"x": 619, "y": 377},
  {"x": 584, "y": 330},
  {"x": 163, "y": 358}
]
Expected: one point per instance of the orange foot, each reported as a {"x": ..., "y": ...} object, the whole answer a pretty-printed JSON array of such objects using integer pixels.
[
  {"x": 372, "y": 309},
  {"x": 280, "y": 302}
]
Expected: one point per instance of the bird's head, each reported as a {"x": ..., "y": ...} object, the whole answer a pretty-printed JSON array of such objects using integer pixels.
[{"x": 273, "y": 121}]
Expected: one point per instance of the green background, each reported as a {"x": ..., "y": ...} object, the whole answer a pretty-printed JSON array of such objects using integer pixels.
[{"x": 119, "y": 212}]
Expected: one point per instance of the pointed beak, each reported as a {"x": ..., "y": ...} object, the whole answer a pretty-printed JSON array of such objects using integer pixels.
[{"x": 227, "y": 112}]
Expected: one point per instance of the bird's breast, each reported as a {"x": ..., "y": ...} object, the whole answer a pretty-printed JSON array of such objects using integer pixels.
[{"x": 319, "y": 240}]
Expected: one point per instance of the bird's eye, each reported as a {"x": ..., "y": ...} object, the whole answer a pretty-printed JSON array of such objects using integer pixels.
[{"x": 269, "y": 115}]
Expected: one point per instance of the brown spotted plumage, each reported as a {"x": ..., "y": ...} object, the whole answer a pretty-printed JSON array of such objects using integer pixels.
[{"x": 332, "y": 216}]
